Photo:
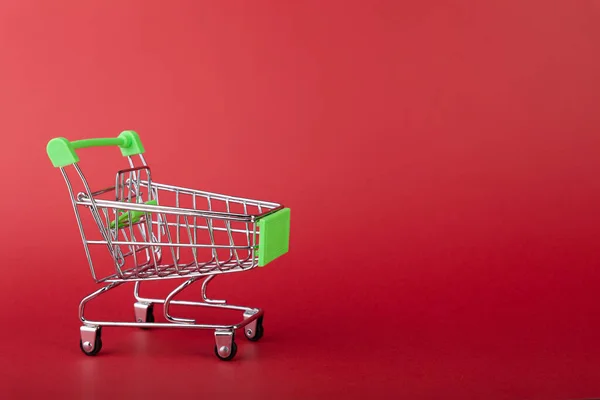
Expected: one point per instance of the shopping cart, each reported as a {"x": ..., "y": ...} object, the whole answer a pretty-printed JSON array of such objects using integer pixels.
[{"x": 155, "y": 231}]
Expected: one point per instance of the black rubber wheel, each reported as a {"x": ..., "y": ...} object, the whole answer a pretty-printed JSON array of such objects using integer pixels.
[
  {"x": 97, "y": 344},
  {"x": 150, "y": 314},
  {"x": 260, "y": 330},
  {"x": 231, "y": 354}
]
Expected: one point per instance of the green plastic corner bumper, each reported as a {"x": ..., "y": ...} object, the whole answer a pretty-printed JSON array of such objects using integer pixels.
[
  {"x": 274, "y": 236},
  {"x": 62, "y": 152}
]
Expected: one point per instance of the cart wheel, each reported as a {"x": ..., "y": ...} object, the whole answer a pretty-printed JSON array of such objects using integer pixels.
[
  {"x": 150, "y": 315},
  {"x": 144, "y": 312},
  {"x": 232, "y": 353},
  {"x": 86, "y": 346},
  {"x": 254, "y": 332}
]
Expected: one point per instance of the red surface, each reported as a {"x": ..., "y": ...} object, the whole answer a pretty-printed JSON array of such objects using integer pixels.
[{"x": 440, "y": 159}]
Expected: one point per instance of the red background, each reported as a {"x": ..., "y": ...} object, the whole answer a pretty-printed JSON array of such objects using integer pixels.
[{"x": 440, "y": 159}]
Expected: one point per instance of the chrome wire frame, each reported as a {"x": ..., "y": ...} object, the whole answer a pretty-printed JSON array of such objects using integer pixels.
[
  {"x": 149, "y": 246},
  {"x": 250, "y": 313}
]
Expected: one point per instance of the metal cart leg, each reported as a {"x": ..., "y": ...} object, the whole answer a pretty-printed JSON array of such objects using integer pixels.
[
  {"x": 168, "y": 303},
  {"x": 91, "y": 333},
  {"x": 205, "y": 297}
]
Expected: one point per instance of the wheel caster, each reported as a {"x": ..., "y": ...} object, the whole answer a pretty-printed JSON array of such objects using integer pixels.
[
  {"x": 90, "y": 342},
  {"x": 232, "y": 352},
  {"x": 144, "y": 312},
  {"x": 254, "y": 330},
  {"x": 225, "y": 347}
]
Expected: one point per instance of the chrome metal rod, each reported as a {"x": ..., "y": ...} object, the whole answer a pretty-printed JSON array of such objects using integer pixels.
[
  {"x": 93, "y": 296},
  {"x": 165, "y": 209},
  {"x": 167, "y": 303},
  {"x": 216, "y": 196},
  {"x": 204, "y": 287}
]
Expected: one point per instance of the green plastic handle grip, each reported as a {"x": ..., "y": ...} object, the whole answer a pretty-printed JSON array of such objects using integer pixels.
[{"x": 62, "y": 152}]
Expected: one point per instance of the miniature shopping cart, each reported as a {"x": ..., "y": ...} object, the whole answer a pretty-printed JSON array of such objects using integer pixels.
[{"x": 155, "y": 231}]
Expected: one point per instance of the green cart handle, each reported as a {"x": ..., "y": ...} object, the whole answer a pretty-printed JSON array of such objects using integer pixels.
[{"x": 62, "y": 152}]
